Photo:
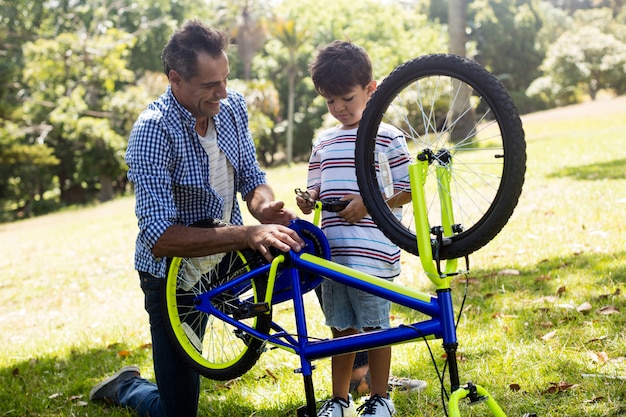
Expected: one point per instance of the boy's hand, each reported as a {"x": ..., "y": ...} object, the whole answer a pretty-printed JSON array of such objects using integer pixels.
[
  {"x": 354, "y": 211},
  {"x": 306, "y": 200}
]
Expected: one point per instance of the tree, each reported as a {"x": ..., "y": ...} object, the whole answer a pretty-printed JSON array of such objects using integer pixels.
[
  {"x": 584, "y": 60},
  {"x": 69, "y": 78},
  {"x": 26, "y": 172},
  {"x": 263, "y": 108},
  {"x": 505, "y": 32},
  {"x": 391, "y": 32},
  {"x": 250, "y": 37},
  {"x": 291, "y": 38}
]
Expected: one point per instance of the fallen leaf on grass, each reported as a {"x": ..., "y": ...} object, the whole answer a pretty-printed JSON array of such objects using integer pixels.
[
  {"x": 543, "y": 278},
  {"x": 123, "y": 353},
  {"x": 502, "y": 315},
  {"x": 547, "y": 299},
  {"x": 271, "y": 374},
  {"x": 608, "y": 310},
  {"x": 514, "y": 387},
  {"x": 77, "y": 400},
  {"x": 548, "y": 336},
  {"x": 599, "y": 357},
  {"x": 597, "y": 339},
  {"x": 459, "y": 356},
  {"x": 561, "y": 290},
  {"x": 55, "y": 395},
  {"x": 615, "y": 293},
  {"x": 509, "y": 272},
  {"x": 546, "y": 324},
  {"x": 584, "y": 307},
  {"x": 593, "y": 400},
  {"x": 559, "y": 387},
  {"x": 228, "y": 383}
]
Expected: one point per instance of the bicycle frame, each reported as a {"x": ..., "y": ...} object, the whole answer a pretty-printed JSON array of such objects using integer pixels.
[{"x": 439, "y": 307}]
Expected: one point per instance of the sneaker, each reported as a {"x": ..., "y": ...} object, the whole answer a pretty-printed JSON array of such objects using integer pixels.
[
  {"x": 405, "y": 384},
  {"x": 338, "y": 407},
  {"x": 377, "y": 406},
  {"x": 106, "y": 391}
]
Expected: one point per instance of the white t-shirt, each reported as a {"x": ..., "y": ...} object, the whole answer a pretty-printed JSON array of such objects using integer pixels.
[{"x": 222, "y": 179}]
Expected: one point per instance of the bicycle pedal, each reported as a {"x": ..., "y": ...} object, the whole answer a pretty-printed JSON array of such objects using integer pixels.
[{"x": 248, "y": 311}]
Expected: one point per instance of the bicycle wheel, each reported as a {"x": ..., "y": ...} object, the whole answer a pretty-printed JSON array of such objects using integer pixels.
[
  {"x": 213, "y": 347},
  {"x": 459, "y": 115}
]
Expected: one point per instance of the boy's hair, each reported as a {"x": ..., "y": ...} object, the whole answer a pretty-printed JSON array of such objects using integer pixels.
[
  {"x": 339, "y": 67},
  {"x": 181, "y": 52}
]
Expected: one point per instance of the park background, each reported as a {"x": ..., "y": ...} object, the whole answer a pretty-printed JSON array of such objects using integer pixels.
[
  {"x": 74, "y": 75},
  {"x": 542, "y": 329}
]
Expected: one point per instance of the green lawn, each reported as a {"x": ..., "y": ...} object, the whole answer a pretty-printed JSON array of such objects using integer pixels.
[{"x": 542, "y": 329}]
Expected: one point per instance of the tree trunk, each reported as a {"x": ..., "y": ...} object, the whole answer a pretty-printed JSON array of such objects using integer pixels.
[
  {"x": 290, "y": 113},
  {"x": 457, "y": 16},
  {"x": 106, "y": 188}
]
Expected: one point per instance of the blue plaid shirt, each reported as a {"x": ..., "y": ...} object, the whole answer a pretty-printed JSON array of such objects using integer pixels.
[{"x": 170, "y": 170}]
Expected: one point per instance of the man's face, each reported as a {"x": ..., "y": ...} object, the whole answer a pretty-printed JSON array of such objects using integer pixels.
[{"x": 201, "y": 94}]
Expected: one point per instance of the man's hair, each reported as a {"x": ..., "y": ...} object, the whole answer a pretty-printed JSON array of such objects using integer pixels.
[
  {"x": 339, "y": 67},
  {"x": 181, "y": 52}
]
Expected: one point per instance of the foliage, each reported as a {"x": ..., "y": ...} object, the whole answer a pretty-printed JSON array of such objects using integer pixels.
[
  {"x": 25, "y": 173},
  {"x": 366, "y": 24},
  {"x": 263, "y": 107},
  {"x": 75, "y": 76},
  {"x": 582, "y": 61},
  {"x": 505, "y": 32}
]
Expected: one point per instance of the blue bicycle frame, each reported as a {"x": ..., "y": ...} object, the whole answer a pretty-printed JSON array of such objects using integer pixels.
[{"x": 292, "y": 274}]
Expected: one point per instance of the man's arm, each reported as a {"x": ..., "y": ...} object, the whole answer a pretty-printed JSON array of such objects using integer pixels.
[
  {"x": 178, "y": 240},
  {"x": 262, "y": 206}
]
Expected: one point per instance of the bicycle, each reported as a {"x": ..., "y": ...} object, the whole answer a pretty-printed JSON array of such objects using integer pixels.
[{"x": 466, "y": 178}]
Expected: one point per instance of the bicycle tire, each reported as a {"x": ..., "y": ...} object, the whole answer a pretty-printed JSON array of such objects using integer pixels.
[
  {"x": 211, "y": 346},
  {"x": 488, "y": 158}
]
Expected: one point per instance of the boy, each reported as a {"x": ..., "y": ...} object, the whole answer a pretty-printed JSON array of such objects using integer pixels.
[{"x": 342, "y": 74}]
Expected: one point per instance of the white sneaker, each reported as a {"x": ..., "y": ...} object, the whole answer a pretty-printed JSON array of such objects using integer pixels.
[
  {"x": 377, "y": 406},
  {"x": 338, "y": 407}
]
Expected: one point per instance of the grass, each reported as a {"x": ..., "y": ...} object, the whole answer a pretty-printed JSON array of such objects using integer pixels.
[{"x": 542, "y": 328}]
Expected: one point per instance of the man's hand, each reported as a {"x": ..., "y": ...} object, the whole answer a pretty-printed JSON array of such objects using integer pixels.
[
  {"x": 275, "y": 213},
  {"x": 264, "y": 237},
  {"x": 267, "y": 211}
]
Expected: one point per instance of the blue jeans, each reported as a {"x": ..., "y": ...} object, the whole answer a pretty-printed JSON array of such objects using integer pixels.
[{"x": 177, "y": 387}]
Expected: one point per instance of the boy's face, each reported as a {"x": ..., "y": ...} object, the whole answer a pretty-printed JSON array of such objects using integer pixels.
[{"x": 348, "y": 108}]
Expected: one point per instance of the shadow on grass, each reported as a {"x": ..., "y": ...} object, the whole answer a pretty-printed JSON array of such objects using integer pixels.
[
  {"x": 533, "y": 328},
  {"x": 559, "y": 293},
  {"x": 59, "y": 386},
  {"x": 610, "y": 170}
]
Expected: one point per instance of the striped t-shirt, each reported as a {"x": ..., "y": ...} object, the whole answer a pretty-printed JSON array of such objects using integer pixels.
[{"x": 360, "y": 245}]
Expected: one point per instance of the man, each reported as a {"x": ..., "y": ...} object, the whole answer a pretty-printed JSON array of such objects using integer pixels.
[{"x": 189, "y": 153}]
